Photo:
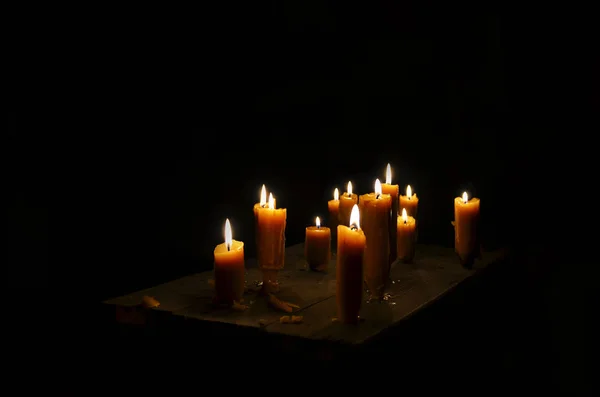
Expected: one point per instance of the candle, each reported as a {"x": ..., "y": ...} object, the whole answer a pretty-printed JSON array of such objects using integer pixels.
[
  {"x": 347, "y": 202},
  {"x": 406, "y": 226},
  {"x": 349, "y": 268},
  {"x": 334, "y": 206},
  {"x": 394, "y": 192},
  {"x": 229, "y": 269},
  {"x": 317, "y": 246},
  {"x": 271, "y": 242},
  {"x": 466, "y": 219},
  {"x": 410, "y": 202},
  {"x": 375, "y": 209},
  {"x": 261, "y": 204}
]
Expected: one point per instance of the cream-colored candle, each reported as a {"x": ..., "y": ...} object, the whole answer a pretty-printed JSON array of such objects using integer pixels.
[
  {"x": 229, "y": 269},
  {"x": 347, "y": 201},
  {"x": 407, "y": 227},
  {"x": 317, "y": 246},
  {"x": 410, "y": 202},
  {"x": 349, "y": 269},
  {"x": 375, "y": 209},
  {"x": 466, "y": 222},
  {"x": 394, "y": 192}
]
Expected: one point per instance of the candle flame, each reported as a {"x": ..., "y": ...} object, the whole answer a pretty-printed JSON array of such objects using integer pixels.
[
  {"x": 355, "y": 218},
  {"x": 271, "y": 201},
  {"x": 408, "y": 192},
  {"x": 318, "y": 222},
  {"x": 388, "y": 174},
  {"x": 336, "y": 194},
  {"x": 228, "y": 238},
  {"x": 404, "y": 215},
  {"x": 263, "y": 196},
  {"x": 377, "y": 187},
  {"x": 465, "y": 197},
  {"x": 349, "y": 189}
]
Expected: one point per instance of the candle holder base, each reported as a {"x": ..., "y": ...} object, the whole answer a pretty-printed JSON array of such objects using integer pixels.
[
  {"x": 320, "y": 268},
  {"x": 270, "y": 284}
]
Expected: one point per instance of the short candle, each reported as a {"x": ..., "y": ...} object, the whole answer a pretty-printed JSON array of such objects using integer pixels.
[
  {"x": 317, "y": 246},
  {"x": 229, "y": 269},
  {"x": 406, "y": 242},
  {"x": 410, "y": 202},
  {"x": 347, "y": 201}
]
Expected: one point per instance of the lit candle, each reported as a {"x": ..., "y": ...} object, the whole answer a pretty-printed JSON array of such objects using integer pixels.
[
  {"x": 394, "y": 192},
  {"x": 229, "y": 269},
  {"x": 347, "y": 201},
  {"x": 349, "y": 268},
  {"x": 406, "y": 227},
  {"x": 466, "y": 219},
  {"x": 317, "y": 246},
  {"x": 261, "y": 204},
  {"x": 410, "y": 202},
  {"x": 375, "y": 209},
  {"x": 271, "y": 242},
  {"x": 334, "y": 206}
]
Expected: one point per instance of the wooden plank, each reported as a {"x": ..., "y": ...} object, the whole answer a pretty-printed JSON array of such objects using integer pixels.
[
  {"x": 191, "y": 296},
  {"x": 435, "y": 272}
]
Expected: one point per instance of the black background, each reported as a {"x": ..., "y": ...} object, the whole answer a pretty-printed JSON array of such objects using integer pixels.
[{"x": 175, "y": 119}]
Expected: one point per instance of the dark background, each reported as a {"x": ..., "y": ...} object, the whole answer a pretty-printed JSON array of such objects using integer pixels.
[{"x": 179, "y": 116}]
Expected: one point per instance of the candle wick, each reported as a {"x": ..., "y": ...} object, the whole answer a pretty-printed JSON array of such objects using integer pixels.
[
  {"x": 378, "y": 195},
  {"x": 228, "y": 247},
  {"x": 263, "y": 206},
  {"x": 405, "y": 222},
  {"x": 353, "y": 227}
]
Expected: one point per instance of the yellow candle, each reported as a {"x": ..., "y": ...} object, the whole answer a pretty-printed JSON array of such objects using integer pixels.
[
  {"x": 317, "y": 246},
  {"x": 271, "y": 242},
  {"x": 410, "y": 202},
  {"x": 375, "y": 209},
  {"x": 347, "y": 201},
  {"x": 349, "y": 269},
  {"x": 334, "y": 206},
  {"x": 229, "y": 269},
  {"x": 261, "y": 204},
  {"x": 394, "y": 192},
  {"x": 466, "y": 219},
  {"x": 406, "y": 242}
]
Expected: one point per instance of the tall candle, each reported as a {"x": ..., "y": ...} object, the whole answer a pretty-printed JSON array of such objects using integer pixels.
[
  {"x": 394, "y": 192},
  {"x": 375, "y": 209},
  {"x": 466, "y": 220},
  {"x": 406, "y": 226},
  {"x": 317, "y": 246},
  {"x": 334, "y": 206},
  {"x": 271, "y": 242},
  {"x": 261, "y": 204},
  {"x": 349, "y": 269},
  {"x": 229, "y": 269},
  {"x": 347, "y": 201},
  {"x": 410, "y": 202}
]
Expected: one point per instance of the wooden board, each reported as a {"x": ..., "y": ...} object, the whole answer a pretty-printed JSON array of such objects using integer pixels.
[{"x": 435, "y": 272}]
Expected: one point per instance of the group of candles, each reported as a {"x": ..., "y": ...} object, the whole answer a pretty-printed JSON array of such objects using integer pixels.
[{"x": 368, "y": 233}]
